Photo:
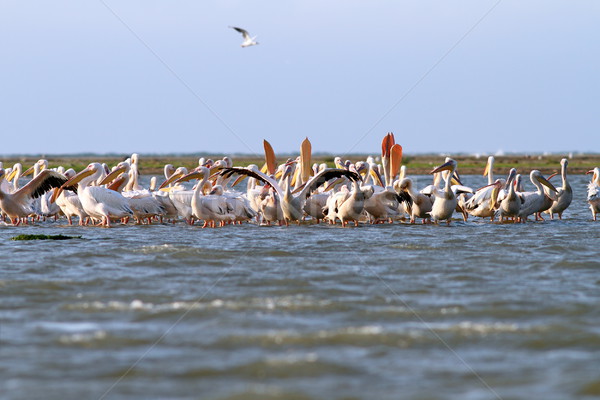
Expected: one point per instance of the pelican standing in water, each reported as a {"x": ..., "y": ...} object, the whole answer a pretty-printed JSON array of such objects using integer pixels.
[
  {"x": 535, "y": 202},
  {"x": 17, "y": 205},
  {"x": 419, "y": 205},
  {"x": 293, "y": 205},
  {"x": 210, "y": 208},
  {"x": 564, "y": 195},
  {"x": 445, "y": 202},
  {"x": 594, "y": 192},
  {"x": 98, "y": 202},
  {"x": 511, "y": 203}
]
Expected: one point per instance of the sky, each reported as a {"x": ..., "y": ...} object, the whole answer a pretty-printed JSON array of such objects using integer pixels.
[{"x": 149, "y": 76}]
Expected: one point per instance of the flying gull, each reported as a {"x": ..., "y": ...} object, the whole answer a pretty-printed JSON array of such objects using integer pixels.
[{"x": 248, "y": 41}]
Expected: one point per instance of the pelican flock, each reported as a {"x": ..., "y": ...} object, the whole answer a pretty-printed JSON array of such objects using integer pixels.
[{"x": 293, "y": 191}]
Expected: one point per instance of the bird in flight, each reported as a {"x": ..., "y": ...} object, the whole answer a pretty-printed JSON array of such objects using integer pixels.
[{"x": 248, "y": 41}]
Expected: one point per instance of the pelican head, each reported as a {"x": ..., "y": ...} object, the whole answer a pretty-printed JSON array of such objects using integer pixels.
[
  {"x": 122, "y": 167},
  {"x": 449, "y": 165},
  {"x": 537, "y": 175},
  {"x": 403, "y": 185},
  {"x": 179, "y": 172},
  {"x": 197, "y": 173}
]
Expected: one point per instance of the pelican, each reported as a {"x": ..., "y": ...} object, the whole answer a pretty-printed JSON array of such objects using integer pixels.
[
  {"x": 445, "y": 202},
  {"x": 419, "y": 205},
  {"x": 484, "y": 200},
  {"x": 70, "y": 204},
  {"x": 292, "y": 205},
  {"x": 534, "y": 202},
  {"x": 210, "y": 208},
  {"x": 511, "y": 203},
  {"x": 179, "y": 197},
  {"x": 98, "y": 202},
  {"x": 237, "y": 204},
  {"x": 594, "y": 192},
  {"x": 248, "y": 41},
  {"x": 350, "y": 207},
  {"x": 17, "y": 205},
  {"x": 564, "y": 195},
  {"x": 143, "y": 204}
]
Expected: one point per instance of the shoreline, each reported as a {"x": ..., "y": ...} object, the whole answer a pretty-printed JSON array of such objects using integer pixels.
[{"x": 415, "y": 164}]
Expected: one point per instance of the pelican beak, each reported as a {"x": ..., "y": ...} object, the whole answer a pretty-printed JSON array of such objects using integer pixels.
[
  {"x": 547, "y": 183},
  {"x": 376, "y": 177},
  {"x": 591, "y": 171},
  {"x": 296, "y": 177},
  {"x": 170, "y": 180},
  {"x": 71, "y": 182},
  {"x": 29, "y": 171},
  {"x": 12, "y": 174},
  {"x": 192, "y": 175},
  {"x": 483, "y": 187},
  {"x": 299, "y": 188},
  {"x": 444, "y": 167},
  {"x": 494, "y": 199},
  {"x": 110, "y": 177},
  {"x": 238, "y": 180},
  {"x": 455, "y": 180},
  {"x": 487, "y": 169},
  {"x": 553, "y": 175},
  {"x": 331, "y": 185}
]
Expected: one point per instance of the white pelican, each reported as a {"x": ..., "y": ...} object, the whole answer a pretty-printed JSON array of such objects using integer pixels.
[
  {"x": 98, "y": 202},
  {"x": 484, "y": 200},
  {"x": 593, "y": 197},
  {"x": 210, "y": 208},
  {"x": 237, "y": 204},
  {"x": 293, "y": 205},
  {"x": 248, "y": 41},
  {"x": 564, "y": 195},
  {"x": 17, "y": 205},
  {"x": 143, "y": 204},
  {"x": 179, "y": 197},
  {"x": 534, "y": 202},
  {"x": 419, "y": 205},
  {"x": 511, "y": 203},
  {"x": 70, "y": 204},
  {"x": 350, "y": 207},
  {"x": 445, "y": 202}
]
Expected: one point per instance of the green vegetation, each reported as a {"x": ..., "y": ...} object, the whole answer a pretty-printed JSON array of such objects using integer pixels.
[{"x": 44, "y": 237}]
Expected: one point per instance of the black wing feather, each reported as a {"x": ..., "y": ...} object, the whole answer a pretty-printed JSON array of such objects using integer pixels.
[
  {"x": 404, "y": 198},
  {"x": 47, "y": 181},
  {"x": 332, "y": 173},
  {"x": 228, "y": 172}
]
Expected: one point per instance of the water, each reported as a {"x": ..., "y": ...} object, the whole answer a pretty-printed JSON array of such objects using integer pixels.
[{"x": 471, "y": 311}]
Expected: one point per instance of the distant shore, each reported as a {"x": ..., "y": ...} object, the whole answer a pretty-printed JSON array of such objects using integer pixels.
[{"x": 416, "y": 164}]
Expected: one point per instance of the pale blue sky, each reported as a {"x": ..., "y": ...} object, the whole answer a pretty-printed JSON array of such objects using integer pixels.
[{"x": 75, "y": 79}]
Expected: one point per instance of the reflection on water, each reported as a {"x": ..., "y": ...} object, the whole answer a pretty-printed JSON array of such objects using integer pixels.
[{"x": 304, "y": 312}]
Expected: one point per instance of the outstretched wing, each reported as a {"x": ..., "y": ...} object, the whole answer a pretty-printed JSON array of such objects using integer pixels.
[
  {"x": 324, "y": 176},
  {"x": 242, "y": 31},
  {"x": 264, "y": 178},
  {"x": 45, "y": 181}
]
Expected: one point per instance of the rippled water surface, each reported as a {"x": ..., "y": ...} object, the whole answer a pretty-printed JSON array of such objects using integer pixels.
[{"x": 471, "y": 311}]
